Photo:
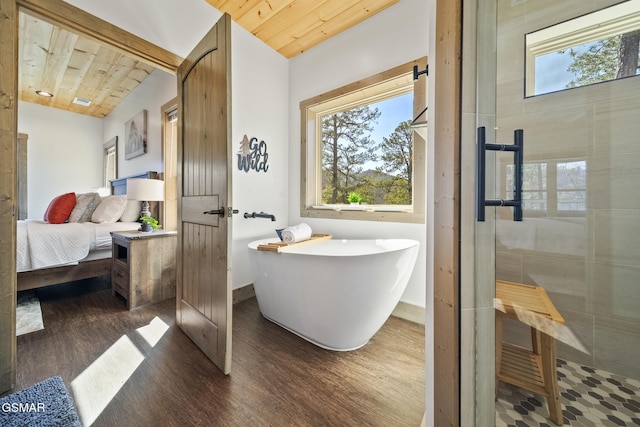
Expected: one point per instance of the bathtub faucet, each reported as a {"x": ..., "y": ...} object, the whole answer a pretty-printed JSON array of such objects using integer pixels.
[{"x": 259, "y": 215}]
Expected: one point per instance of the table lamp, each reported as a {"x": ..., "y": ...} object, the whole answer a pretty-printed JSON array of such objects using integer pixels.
[{"x": 145, "y": 190}]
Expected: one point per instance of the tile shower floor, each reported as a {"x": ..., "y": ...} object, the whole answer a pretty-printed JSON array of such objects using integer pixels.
[{"x": 589, "y": 397}]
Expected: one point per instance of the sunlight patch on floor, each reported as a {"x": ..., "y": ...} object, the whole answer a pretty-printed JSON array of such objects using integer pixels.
[
  {"x": 153, "y": 331},
  {"x": 28, "y": 315},
  {"x": 97, "y": 385}
]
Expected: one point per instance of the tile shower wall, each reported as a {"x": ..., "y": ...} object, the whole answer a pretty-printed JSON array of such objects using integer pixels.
[{"x": 589, "y": 263}]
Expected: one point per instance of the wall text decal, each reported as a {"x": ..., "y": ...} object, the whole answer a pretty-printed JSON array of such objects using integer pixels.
[{"x": 252, "y": 155}]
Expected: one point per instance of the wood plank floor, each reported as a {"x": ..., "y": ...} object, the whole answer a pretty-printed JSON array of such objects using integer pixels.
[{"x": 120, "y": 378}]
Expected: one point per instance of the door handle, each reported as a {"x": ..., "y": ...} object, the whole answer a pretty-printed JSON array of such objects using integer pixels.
[
  {"x": 518, "y": 158},
  {"x": 220, "y": 212}
]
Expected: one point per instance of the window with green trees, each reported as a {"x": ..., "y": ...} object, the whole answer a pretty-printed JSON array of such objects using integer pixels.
[
  {"x": 361, "y": 145},
  {"x": 358, "y": 157}
]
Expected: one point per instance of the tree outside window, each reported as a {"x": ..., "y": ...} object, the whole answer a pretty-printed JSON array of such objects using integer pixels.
[
  {"x": 379, "y": 168},
  {"x": 359, "y": 144}
]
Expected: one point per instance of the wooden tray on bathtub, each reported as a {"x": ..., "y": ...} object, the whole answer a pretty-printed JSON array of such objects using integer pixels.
[{"x": 283, "y": 247}]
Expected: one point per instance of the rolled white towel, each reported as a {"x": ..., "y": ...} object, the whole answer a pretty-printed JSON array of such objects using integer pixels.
[{"x": 296, "y": 233}]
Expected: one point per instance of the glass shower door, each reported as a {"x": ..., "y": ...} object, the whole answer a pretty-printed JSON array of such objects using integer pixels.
[{"x": 566, "y": 73}]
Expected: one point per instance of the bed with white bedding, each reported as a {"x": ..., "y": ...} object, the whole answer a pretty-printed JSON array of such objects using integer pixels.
[
  {"x": 44, "y": 245},
  {"x": 49, "y": 253}
]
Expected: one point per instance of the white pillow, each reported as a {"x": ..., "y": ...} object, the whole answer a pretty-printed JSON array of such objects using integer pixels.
[
  {"x": 110, "y": 209},
  {"x": 86, "y": 203},
  {"x": 132, "y": 211}
]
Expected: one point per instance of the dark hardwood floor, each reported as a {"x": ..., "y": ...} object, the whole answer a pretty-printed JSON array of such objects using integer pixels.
[{"x": 277, "y": 378}]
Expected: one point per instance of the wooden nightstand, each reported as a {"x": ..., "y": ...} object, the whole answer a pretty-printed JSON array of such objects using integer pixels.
[{"x": 144, "y": 266}]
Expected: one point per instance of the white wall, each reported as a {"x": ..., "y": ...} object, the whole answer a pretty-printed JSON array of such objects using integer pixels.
[
  {"x": 64, "y": 154},
  {"x": 259, "y": 109},
  {"x": 154, "y": 91},
  {"x": 393, "y": 37}
]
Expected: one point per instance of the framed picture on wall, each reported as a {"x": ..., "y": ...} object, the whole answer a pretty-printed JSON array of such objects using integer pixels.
[{"x": 135, "y": 135}]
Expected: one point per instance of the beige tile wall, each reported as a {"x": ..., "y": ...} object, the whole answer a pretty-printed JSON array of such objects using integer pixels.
[{"x": 592, "y": 272}]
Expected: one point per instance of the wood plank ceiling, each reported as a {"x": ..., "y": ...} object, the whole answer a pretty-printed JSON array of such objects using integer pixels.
[
  {"x": 295, "y": 26},
  {"x": 69, "y": 66}
]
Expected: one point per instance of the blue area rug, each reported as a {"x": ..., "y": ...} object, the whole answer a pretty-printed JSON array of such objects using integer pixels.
[{"x": 46, "y": 403}]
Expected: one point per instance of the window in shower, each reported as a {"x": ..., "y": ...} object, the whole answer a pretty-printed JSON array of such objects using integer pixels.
[{"x": 593, "y": 48}]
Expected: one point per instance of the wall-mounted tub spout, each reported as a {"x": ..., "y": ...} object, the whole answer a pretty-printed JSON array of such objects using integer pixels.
[{"x": 259, "y": 215}]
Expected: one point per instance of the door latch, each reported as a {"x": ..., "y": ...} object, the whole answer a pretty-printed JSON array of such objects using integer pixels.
[{"x": 220, "y": 212}]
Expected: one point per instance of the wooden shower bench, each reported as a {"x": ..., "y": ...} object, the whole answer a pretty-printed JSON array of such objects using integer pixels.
[{"x": 535, "y": 369}]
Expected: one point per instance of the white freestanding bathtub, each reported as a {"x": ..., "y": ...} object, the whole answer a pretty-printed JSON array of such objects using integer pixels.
[{"x": 337, "y": 293}]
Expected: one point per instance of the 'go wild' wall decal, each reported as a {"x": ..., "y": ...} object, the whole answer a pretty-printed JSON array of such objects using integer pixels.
[{"x": 252, "y": 155}]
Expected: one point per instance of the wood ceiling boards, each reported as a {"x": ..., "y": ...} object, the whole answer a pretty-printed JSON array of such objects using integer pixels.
[
  {"x": 295, "y": 26},
  {"x": 68, "y": 66}
]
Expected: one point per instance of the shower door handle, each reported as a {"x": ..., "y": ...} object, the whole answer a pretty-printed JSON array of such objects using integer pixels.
[{"x": 481, "y": 160}]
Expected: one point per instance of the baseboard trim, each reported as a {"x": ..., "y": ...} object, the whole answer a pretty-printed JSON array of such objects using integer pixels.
[
  {"x": 243, "y": 293},
  {"x": 410, "y": 312}
]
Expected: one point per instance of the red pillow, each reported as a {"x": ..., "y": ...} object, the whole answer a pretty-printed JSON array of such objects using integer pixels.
[{"x": 60, "y": 208}]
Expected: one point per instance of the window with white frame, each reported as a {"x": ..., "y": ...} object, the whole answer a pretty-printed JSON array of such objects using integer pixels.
[
  {"x": 363, "y": 154},
  {"x": 110, "y": 160},
  {"x": 593, "y": 48}
]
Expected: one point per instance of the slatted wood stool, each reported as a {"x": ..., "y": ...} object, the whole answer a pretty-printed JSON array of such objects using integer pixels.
[{"x": 535, "y": 369}]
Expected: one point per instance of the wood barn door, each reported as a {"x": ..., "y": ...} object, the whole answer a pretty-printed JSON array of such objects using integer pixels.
[{"x": 204, "y": 295}]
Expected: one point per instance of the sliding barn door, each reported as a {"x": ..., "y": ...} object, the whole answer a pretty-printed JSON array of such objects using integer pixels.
[{"x": 204, "y": 299}]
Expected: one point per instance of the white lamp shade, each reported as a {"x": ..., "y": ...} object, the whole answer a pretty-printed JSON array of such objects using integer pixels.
[{"x": 145, "y": 189}]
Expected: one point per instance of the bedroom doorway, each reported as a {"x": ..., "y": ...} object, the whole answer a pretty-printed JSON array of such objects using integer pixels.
[
  {"x": 68, "y": 16},
  {"x": 65, "y": 15}
]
